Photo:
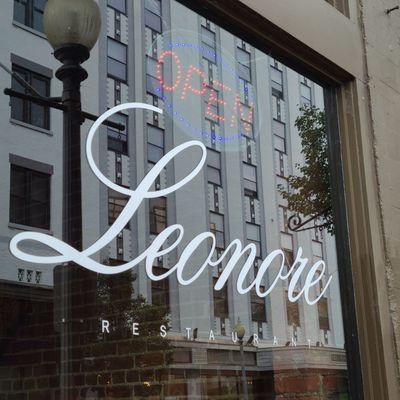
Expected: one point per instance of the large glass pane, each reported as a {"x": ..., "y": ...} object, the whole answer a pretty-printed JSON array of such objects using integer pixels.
[{"x": 232, "y": 234}]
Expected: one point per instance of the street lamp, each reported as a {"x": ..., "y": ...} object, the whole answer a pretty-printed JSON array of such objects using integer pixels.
[
  {"x": 240, "y": 332},
  {"x": 72, "y": 28}
]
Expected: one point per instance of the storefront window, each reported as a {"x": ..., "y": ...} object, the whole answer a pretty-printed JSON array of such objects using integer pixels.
[{"x": 234, "y": 230}]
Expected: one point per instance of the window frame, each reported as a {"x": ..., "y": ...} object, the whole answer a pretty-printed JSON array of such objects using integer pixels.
[
  {"x": 109, "y": 57},
  {"x": 257, "y": 302},
  {"x": 117, "y": 196},
  {"x": 122, "y": 10},
  {"x": 220, "y": 297},
  {"x": 112, "y": 134},
  {"x": 162, "y": 218},
  {"x": 29, "y": 15},
  {"x": 247, "y": 189},
  {"x": 161, "y": 289},
  {"x": 217, "y": 232},
  {"x": 27, "y": 105},
  {"x": 154, "y": 145},
  {"x": 27, "y": 196}
]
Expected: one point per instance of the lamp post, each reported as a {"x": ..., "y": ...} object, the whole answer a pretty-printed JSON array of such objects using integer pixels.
[
  {"x": 241, "y": 331},
  {"x": 72, "y": 28}
]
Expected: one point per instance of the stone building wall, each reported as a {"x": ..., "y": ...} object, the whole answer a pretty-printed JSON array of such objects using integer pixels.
[{"x": 381, "y": 33}]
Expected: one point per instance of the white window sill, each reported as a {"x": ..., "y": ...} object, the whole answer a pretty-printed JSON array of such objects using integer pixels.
[
  {"x": 30, "y": 126},
  {"x": 29, "y": 29},
  {"x": 21, "y": 227}
]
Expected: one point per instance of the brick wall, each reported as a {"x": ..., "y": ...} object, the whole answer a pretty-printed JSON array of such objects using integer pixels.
[
  {"x": 310, "y": 384},
  {"x": 117, "y": 365}
]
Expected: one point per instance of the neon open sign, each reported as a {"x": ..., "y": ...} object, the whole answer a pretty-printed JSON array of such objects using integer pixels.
[{"x": 222, "y": 103}]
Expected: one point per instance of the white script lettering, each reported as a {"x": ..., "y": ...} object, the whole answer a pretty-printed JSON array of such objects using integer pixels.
[{"x": 159, "y": 248}]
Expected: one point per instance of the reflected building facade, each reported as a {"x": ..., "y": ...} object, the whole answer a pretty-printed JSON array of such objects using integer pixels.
[{"x": 213, "y": 87}]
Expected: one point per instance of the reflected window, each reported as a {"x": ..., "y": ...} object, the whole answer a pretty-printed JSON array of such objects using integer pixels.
[
  {"x": 153, "y": 84},
  {"x": 158, "y": 215},
  {"x": 217, "y": 228},
  {"x": 209, "y": 45},
  {"x": 25, "y": 110},
  {"x": 243, "y": 58},
  {"x": 254, "y": 236},
  {"x": 293, "y": 312},
  {"x": 152, "y": 15},
  {"x": 258, "y": 311},
  {"x": 250, "y": 179},
  {"x": 221, "y": 306},
  {"x": 119, "y": 5},
  {"x": 155, "y": 143},
  {"x": 214, "y": 167},
  {"x": 29, "y": 197},
  {"x": 305, "y": 92},
  {"x": 160, "y": 290},
  {"x": 116, "y": 203},
  {"x": 30, "y": 13},
  {"x": 118, "y": 140},
  {"x": 323, "y": 314},
  {"x": 116, "y": 59}
]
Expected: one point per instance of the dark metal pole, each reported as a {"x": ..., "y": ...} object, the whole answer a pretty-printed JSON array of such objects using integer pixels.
[
  {"x": 244, "y": 377},
  {"x": 71, "y": 74}
]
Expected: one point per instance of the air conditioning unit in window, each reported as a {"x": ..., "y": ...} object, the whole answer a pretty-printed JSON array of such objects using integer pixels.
[
  {"x": 120, "y": 251},
  {"x": 119, "y": 175}
]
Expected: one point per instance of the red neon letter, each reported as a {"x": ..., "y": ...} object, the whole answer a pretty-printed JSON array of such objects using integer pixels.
[
  {"x": 238, "y": 107},
  {"x": 178, "y": 70},
  {"x": 192, "y": 69},
  {"x": 213, "y": 99}
]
